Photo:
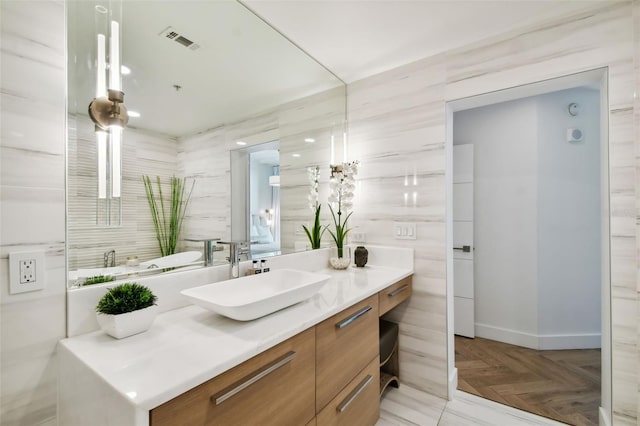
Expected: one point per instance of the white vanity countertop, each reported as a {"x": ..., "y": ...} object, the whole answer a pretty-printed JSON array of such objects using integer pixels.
[{"x": 188, "y": 346}]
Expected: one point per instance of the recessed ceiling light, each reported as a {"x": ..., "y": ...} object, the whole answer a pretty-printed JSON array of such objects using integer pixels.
[
  {"x": 309, "y": 140},
  {"x": 295, "y": 155},
  {"x": 125, "y": 70},
  {"x": 134, "y": 114},
  {"x": 101, "y": 9},
  {"x": 241, "y": 143}
]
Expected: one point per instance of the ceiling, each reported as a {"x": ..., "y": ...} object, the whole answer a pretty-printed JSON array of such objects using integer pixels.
[
  {"x": 357, "y": 38},
  {"x": 242, "y": 66}
]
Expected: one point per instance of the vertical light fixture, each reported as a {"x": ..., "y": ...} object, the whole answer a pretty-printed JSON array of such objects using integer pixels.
[
  {"x": 344, "y": 148},
  {"x": 115, "y": 85},
  {"x": 114, "y": 57},
  {"x": 101, "y": 138},
  {"x": 108, "y": 111},
  {"x": 101, "y": 134},
  {"x": 116, "y": 161}
]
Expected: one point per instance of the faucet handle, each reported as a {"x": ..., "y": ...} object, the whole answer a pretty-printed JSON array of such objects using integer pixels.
[{"x": 209, "y": 248}]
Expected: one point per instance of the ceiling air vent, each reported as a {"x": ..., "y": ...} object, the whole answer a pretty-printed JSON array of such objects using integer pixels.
[{"x": 172, "y": 34}]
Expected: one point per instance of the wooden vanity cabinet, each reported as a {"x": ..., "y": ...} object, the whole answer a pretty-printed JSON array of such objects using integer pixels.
[
  {"x": 276, "y": 387},
  {"x": 345, "y": 344},
  {"x": 395, "y": 294},
  {"x": 358, "y": 404},
  {"x": 327, "y": 375}
]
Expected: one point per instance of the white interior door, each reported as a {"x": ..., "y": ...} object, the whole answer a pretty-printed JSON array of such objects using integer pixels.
[{"x": 463, "y": 303}]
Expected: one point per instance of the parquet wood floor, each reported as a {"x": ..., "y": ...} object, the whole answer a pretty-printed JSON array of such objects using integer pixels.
[{"x": 563, "y": 385}]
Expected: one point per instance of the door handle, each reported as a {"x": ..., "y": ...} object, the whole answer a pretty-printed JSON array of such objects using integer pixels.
[{"x": 466, "y": 249}]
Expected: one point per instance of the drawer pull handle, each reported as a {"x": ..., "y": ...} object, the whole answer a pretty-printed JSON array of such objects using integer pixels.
[
  {"x": 398, "y": 290},
  {"x": 353, "y": 317},
  {"x": 259, "y": 375},
  {"x": 354, "y": 394}
]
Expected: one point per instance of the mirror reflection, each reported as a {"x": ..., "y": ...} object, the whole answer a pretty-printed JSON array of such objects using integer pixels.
[
  {"x": 202, "y": 81},
  {"x": 255, "y": 198}
]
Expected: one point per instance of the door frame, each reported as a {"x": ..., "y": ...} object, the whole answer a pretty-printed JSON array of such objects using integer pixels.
[{"x": 599, "y": 78}]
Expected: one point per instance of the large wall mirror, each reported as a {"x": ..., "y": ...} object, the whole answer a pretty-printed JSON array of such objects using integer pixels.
[{"x": 203, "y": 82}]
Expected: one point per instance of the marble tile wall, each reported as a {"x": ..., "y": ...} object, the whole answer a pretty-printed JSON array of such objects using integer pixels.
[
  {"x": 397, "y": 129},
  {"x": 636, "y": 28},
  {"x": 32, "y": 209},
  {"x": 205, "y": 157},
  {"x": 144, "y": 153}
]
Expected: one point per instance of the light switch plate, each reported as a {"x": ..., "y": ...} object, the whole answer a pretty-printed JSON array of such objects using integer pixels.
[
  {"x": 404, "y": 230},
  {"x": 26, "y": 271},
  {"x": 357, "y": 237}
]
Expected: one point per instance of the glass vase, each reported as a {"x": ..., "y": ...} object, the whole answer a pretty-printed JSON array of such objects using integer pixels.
[{"x": 340, "y": 258}]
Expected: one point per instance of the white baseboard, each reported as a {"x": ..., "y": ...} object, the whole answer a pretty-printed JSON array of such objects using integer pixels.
[
  {"x": 453, "y": 383},
  {"x": 506, "y": 335},
  {"x": 540, "y": 342},
  {"x": 570, "y": 341},
  {"x": 604, "y": 417}
]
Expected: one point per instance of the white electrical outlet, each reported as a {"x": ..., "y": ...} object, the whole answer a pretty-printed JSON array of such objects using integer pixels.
[{"x": 26, "y": 271}]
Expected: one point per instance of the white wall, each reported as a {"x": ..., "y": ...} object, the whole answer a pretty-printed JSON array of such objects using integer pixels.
[
  {"x": 505, "y": 197},
  {"x": 569, "y": 219},
  {"x": 537, "y": 220}
]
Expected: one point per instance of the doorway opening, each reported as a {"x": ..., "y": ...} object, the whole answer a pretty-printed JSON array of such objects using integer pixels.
[
  {"x": 528, "y": 247},
  {"x": 255, "y": 198}
]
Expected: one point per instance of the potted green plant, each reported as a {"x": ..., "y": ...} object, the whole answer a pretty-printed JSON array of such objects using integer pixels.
[
  {"x": 168, "y": 221},
  {"x": 126, "y": 309},
  {"x": 315, "y": 233},
  {"x": 342, "y": 185}
]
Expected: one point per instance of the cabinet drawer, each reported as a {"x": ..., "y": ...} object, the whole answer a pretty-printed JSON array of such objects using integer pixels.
[
  {"x": 358, "y": 403},
  {"x": 345, "y": 344},
  {"x": 395, "y": 294},
  {"x": 275, "y": 387}
]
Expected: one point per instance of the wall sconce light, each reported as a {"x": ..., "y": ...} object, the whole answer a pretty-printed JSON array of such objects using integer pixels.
[
  {"x": 109, "y": 114},
  {"x": 107, "y": 109}
]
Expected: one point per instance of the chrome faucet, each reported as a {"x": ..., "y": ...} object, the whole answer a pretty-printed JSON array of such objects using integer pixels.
[
  {"x": 111, "y": 254},
  {"x": 209, "y": 248},
  {"x": 236, "y": 249}
]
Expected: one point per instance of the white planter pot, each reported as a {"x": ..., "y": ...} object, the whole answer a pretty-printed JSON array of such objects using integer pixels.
[{"x": 125, "y": 325}]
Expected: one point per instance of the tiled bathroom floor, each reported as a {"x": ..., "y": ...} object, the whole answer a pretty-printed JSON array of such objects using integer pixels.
[{"x": 408, "y": 406}]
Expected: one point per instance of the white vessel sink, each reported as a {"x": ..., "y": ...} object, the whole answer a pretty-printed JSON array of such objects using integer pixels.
[{"x": 254, "y": 296}]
